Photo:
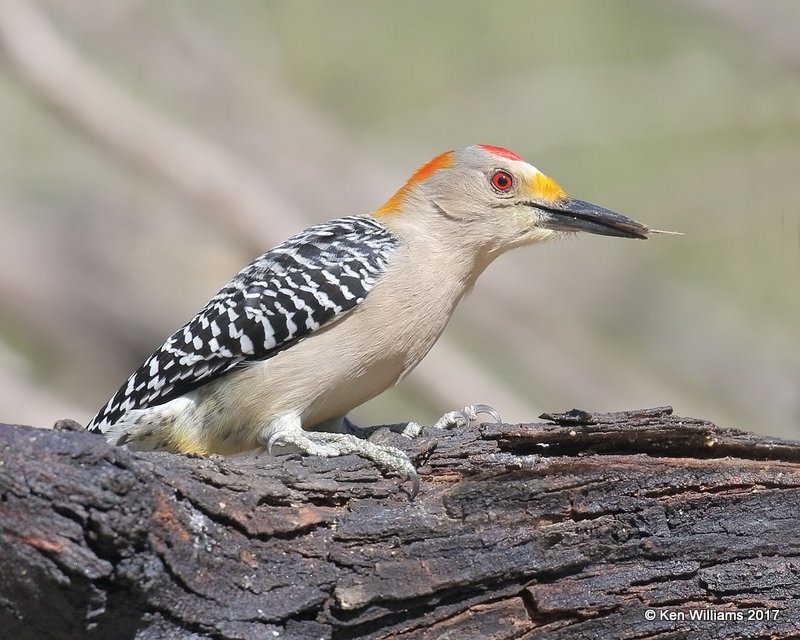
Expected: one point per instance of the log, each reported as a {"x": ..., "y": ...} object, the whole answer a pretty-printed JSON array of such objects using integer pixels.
[{"x": 626, "y": 525}]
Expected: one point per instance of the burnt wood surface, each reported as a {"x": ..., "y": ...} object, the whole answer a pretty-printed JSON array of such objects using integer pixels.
[{"x": 576, "y": 527}]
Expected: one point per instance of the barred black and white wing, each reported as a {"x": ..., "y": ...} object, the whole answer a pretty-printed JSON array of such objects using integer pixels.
[{"x": 283, "y": 296}]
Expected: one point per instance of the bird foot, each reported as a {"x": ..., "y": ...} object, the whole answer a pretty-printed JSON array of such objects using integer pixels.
[
  {"x": 329, "y": 445},
  {"x": 454, "y": 419}
]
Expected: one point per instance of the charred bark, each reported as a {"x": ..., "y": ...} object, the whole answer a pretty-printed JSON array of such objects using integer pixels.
[{"x": 572, "y": 528}]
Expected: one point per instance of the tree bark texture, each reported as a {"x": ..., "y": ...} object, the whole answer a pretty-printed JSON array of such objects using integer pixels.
[{"x": 629, "y": 525}]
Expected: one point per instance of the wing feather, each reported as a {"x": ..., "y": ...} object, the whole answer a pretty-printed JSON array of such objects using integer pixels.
[{"x": 280, "y": 298}]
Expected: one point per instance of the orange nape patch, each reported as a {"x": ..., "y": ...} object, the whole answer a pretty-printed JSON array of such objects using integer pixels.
[
  {"x": 500, "y": 152},
  {"x": 442, "y": 161},
  {"x": 544, "y": 188}
]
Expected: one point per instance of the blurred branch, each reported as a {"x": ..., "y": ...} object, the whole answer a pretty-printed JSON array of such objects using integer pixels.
[{"x": 229, "y": 194}]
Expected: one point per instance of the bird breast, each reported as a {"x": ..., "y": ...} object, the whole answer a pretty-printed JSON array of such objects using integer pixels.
[{"x": 350, "y": 360}]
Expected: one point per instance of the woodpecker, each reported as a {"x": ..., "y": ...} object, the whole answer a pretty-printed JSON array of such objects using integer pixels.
[{"x": 340, "y": 312}]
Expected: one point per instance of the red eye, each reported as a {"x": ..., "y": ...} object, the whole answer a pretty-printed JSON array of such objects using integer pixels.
[{"x": 502, "y": 180}]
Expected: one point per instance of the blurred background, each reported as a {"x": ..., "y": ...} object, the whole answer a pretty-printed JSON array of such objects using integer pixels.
[{"x": 149, "y": 149}]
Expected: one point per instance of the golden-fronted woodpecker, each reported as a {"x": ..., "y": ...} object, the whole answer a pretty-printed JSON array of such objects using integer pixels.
[{"x": 340, "y": 312}]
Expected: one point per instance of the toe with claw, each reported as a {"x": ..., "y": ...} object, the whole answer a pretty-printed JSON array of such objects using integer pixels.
[
  {"x": 466, "y": 416},
  {"x": 455, "y": 419},
  {"x": 328, "y": 445}
]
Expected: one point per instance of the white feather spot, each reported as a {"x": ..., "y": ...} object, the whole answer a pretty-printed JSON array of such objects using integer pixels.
[
  {"x": 247, "y": 345},
  {"x": 156, "y": 383}
]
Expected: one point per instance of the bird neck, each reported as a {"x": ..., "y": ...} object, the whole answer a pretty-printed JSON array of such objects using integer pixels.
[{"x": 446, "y": 240}]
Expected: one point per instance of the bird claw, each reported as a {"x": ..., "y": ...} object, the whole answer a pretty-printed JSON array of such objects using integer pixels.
[
  {"x": 466, "y": 416},
  {"x": 273, "y": 440},
  {"x": 412, "y": 475},
  {"x": 477, "y": 409}
]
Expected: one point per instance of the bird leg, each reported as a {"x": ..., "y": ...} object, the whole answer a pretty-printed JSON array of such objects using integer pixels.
[
  {"x": 343, "y": 436},
  {"x": 289, "y": 431}
]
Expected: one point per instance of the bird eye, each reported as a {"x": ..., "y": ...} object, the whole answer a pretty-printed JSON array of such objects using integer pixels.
[{"x": 502, "y": 181}]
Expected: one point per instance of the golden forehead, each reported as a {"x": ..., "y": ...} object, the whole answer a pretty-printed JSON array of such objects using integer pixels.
[{"x": 544, "y": 188}]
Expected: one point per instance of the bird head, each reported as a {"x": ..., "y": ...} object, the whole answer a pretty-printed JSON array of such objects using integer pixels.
[{"x": 495, "y": 197}]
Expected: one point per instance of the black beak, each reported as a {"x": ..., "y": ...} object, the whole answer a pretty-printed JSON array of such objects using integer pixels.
[{"x": 577, "y": 215}]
